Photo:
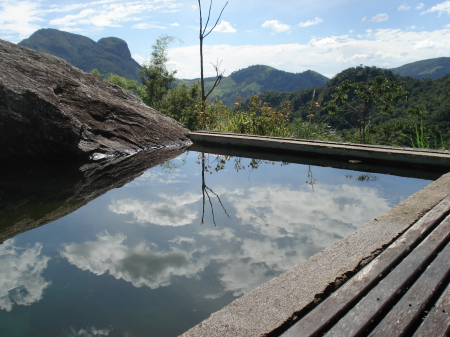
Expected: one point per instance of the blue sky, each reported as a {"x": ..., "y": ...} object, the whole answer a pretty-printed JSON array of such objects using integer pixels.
[{"x": 327, "y": 36}]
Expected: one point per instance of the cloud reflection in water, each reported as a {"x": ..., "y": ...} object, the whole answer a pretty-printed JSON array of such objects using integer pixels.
[
  {"x": 274, "y": 228},
  {"x": 21, "y": 280},
  {"x": 141, "y": 265},
  {"x": 171, "y": 212}
]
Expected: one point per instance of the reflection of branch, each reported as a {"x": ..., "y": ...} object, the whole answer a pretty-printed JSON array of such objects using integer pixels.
[
  {"x": 205, "y": 190},
  {"x": 311, "y": 180}
]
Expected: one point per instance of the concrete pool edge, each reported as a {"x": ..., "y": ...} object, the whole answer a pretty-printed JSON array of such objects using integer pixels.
[
  {"x": 268, "y": 307},
  {"x": 394, "y": 156}
]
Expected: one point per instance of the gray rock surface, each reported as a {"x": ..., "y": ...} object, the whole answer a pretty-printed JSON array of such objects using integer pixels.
[{"x": 50, "y": 110}]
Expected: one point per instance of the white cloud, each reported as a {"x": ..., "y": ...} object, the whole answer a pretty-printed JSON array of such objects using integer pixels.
[
  {"x": 276, "y": 25},
  {"x": 443, "y": 7},
  {"x": 147, "y": 25},
  {"x": 258, "y": 262},
  {"x": 151, "y": 177},
  {"x": 350, "y": 207},
  {"x": 404, "y": 7},
  {"x": 20, "y": 18},
  {"x": 364, "y": 19},
  {"x": 225, "y": 234},
  {"x": 174, "y": 211},
  {"x": 380, "y": 17},
  {"x": 140, "y": 264},
  {"x": 310, "y": 22},
  {"x": 71, "y": 20},
  {"x": 89, "y": 332},
  {"x": 320, "y": 54},
  {"x": 106, "y": 14},
  {"x": 428, "y": 44},
  {"x": 224, "y": 27},
  {"x": 420, "y": 5},
  {"x": 304, "y": 221},
  {"x": 21, "y": 280},
  {"x": 139, "y": 59},
  {"x": 175, "y": 24}
]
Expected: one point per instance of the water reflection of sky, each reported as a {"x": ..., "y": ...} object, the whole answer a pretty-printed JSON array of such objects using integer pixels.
[{"x": 137, "y": 260}]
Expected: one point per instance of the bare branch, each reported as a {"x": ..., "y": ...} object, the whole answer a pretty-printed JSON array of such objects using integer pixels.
[
  {"x": 216, "y": 21},
  {"x": 207, "y": 21},
  {"x": 212, "y": 208},
  {"x": 219, "y": 76},
  {"x": 220, "y": 201},
  {"x": 201, "y": 24}
]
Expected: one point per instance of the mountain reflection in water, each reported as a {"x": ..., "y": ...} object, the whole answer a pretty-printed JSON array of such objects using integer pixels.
[{"x": 119, "y": 249}]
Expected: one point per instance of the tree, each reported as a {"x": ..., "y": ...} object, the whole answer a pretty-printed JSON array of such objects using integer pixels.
[
  {"x": 204, "y": 34},
  {"x": 360, "y": 99},
  {"x": 155, "y": 75},
  {"x": 181, "y": 103}
]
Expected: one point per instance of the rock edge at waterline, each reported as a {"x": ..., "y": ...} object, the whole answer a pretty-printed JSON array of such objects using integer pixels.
[{"x": 51, "y": 110}]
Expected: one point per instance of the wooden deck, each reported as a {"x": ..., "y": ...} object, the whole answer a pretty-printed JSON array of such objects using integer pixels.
[{"x": 405, "y": 291}]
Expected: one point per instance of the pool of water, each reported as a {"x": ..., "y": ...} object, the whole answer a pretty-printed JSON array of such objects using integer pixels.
[{"x": 130, "y": 251}]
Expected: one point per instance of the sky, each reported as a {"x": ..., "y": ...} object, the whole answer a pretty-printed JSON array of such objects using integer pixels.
[{"x": 326, "y": 36}]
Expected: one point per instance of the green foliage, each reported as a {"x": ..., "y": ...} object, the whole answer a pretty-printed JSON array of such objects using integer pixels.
[
  {"x": 357, "y": 99},
  {"x": 155, "y": 75},
  {"x": 317, "y": 131},
  {"x": 96, "y": 73},
  {"x": 182, "y": 104},
  {"x": 123, "y": 82},
  {"x": 258, "y": 119}
]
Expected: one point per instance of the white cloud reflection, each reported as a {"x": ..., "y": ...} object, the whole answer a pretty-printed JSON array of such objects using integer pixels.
[
  {"x": 173, "y": 211},
  {"x": 21, "y": 280},
  {"x": 277, "y": 227},
  {"x": 290, "y": 225},
  {"x": 89, "y": 332},
  {"x": 141, "y": 265},
  {"x": 280, "y": 212}
]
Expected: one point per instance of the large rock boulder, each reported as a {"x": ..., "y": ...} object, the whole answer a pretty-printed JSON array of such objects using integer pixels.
[{"x": 51, "y": 110}]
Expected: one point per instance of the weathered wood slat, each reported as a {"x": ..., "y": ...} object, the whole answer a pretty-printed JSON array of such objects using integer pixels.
[
  {"x": 411, "y": 307},
  {"x": 437, "y": 323},
  {"x": 358, "y": 319},
  {"x": 353, "y": 290}
]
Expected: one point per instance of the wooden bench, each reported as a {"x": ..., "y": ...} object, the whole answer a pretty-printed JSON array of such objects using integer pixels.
[{"x": 404, "y": 291}]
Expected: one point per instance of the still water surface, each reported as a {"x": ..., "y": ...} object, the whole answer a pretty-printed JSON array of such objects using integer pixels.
[{"x": 139, "y": 260}]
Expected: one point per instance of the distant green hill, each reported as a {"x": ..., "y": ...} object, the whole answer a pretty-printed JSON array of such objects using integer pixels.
[
  {"x": 108, "y": 55},
  {"x": 431, "y": 68},
  {"x": 257, "y": 79}
]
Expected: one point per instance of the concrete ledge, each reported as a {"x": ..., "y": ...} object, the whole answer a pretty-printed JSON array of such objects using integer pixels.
[
  {"x": 368, "y": 154},
  {"x": 267, "y": 308}
]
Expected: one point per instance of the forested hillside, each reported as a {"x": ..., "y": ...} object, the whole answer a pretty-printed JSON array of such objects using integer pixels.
[
  {"x": 259, "y": 78},
  {"x": 108, "y": 55},
  {"x": 432, "y": 68}
]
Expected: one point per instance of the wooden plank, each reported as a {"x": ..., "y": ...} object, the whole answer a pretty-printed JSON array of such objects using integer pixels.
[
  {"x": 437, "y": 323},
  {"x": 410, "y": 308},
  {"x": 335, "y": 306},
  {"x": 358, "y": 319}
]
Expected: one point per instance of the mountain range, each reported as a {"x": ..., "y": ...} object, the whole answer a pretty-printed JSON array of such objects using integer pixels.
[
  {"x": 257, "y": 79},
  {"x": 108, "y": 55},
  {"x": 111, "y": 55}
]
